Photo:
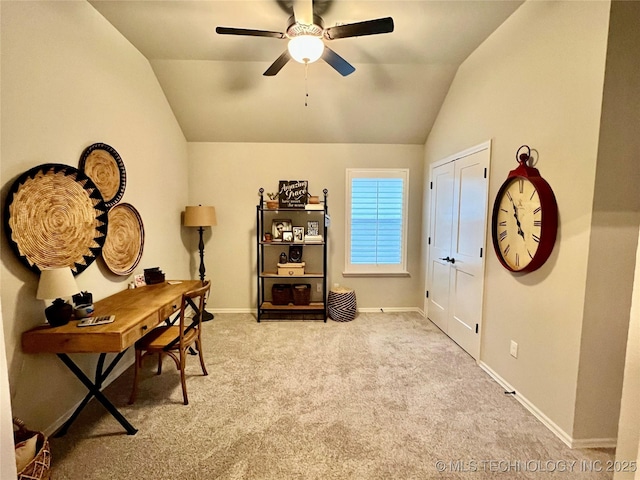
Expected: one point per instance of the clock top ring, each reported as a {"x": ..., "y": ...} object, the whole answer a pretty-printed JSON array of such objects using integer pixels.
[{"x": 523, "y": 157}]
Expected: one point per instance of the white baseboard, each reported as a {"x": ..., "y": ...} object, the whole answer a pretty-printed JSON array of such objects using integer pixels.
[
  {"x": 360, "y": 310},
  {"x": 232, "y": 310},
  {"x": 389, "y": 310},
  {"x": 594, "y": 443},
  {"x": 550, "y": 424}
]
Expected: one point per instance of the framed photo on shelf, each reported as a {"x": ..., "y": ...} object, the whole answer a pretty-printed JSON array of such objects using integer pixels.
[
  {"x": 298, "y": 234},
  {"x": 139, "y": 280},
  {"x": 295, "y": 253},
  {"x": 287, "y": 236},
  {"x": 278, "y": 226},
  {"x": 312, "y": 227}
]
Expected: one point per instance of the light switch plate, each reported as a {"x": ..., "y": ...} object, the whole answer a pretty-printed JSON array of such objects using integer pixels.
[{"x": 513, "y": 350}]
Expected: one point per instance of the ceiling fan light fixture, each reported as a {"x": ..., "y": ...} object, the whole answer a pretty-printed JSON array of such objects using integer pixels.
[{"x": 306, "y": 48}]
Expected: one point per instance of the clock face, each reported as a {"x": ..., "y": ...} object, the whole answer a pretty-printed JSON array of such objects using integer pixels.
[{"x": 518, "y": 223}]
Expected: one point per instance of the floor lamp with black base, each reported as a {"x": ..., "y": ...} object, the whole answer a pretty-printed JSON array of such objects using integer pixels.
[{"x": 201, "y": 217}]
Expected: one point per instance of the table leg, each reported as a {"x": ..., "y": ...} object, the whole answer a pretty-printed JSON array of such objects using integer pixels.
[{"x": 94, "y": 391}]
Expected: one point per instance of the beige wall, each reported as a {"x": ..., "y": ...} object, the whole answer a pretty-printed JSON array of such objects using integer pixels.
[
  {"x": 538, "y": 80},
  {"x": 69, "y": 79},
  {"x": 628, "y": 448},
  {"x": 619, "y": 146},
  {"x": 229, "y": 175},
  {"x": 614, "y": 229}
]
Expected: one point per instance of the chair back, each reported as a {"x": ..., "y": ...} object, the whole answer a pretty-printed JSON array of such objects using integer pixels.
[{"x": 195, "y": 299}]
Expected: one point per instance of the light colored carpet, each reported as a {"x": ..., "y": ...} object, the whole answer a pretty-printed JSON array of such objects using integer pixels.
[{"x": 386, "y": 396}]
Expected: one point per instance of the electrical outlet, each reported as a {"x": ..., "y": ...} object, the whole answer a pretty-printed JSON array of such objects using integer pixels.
[
  {"x": 513, "y": 350},
  {"x": 319, "y": 287}
]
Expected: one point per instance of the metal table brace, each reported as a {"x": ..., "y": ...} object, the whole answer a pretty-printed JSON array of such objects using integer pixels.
[{"x": 94, "y": 391}]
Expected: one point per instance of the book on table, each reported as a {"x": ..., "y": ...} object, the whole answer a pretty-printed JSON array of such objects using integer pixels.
[{"x": 101, "y": 320}]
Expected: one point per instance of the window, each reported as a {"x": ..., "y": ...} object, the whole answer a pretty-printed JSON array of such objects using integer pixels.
[{"x": 376, "y": 214}]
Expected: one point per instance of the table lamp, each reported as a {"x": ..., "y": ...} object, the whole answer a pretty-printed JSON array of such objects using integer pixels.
[
  {"x": 201, "y": 217},
  {"x": 56, "y": 283}
]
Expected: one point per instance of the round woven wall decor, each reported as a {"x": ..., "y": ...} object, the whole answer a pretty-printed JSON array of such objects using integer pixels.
[
  {"x": 102, "y": 164},
  {"x": 125, "y": 239},
  {"x": 55, "y": 217}
]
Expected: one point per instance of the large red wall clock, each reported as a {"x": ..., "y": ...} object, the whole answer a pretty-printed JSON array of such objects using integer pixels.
[{"x": 524, "y": 223}]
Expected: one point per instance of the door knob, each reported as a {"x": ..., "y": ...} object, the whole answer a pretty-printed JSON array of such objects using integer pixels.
[{"x": 450, "y": 260}]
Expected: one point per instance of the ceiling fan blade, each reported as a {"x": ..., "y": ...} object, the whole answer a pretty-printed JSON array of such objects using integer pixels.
[
  {"x": 343, "y": 67},
  {"x": 250, "y": 33},
  {"x": 303, "y": 11},
  {"x": 278, "y": 64},
  {"x": 360, "y": 29}
]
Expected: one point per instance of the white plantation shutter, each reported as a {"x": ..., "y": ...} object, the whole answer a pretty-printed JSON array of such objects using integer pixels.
[
  {"x": 376, "y": 217},
  {"x": 376, "y": 220}
]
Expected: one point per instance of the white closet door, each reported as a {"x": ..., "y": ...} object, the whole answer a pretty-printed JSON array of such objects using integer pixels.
[
  {"x": 456, "y": 257},
  {"x": 441, "y": 216}
]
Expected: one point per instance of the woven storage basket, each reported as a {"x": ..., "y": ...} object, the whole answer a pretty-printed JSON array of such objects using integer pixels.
[
  {"x": 342, "y": 304},
  {"x": 40, "y": 467},
  {"x": 281, "y": 294},
  {"x": 301, "y": 293}
]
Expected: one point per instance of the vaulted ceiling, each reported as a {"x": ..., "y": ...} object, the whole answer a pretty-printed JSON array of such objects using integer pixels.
[{"x": 215, "y": 86}]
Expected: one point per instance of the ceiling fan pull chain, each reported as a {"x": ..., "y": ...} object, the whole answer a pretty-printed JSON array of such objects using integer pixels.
[{"x": 306, "y": 87}]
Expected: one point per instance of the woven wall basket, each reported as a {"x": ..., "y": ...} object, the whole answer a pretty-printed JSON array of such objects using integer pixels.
[
  {"x": 122, "y": 250},
  {"x": 102, "y": 164},
  {"x": 55, "y": 217}
]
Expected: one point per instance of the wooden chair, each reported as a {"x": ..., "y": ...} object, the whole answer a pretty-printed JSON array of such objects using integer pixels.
[{"x": 175, "y": 340}]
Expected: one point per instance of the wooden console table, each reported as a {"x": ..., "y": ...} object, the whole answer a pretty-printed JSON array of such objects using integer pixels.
[{"x": 137, "y": 311}]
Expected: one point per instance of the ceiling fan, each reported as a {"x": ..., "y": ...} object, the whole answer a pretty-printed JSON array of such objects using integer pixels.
[{"x": 306, "y": 34}]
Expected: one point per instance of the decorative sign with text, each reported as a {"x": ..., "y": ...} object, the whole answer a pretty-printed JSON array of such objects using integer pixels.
[{"x": 293, "y": 193}]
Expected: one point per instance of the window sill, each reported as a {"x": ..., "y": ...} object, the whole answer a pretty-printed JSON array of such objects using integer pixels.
[{"x": 376, "y": 274}]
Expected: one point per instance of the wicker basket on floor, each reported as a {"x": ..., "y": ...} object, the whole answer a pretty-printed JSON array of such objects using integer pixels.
[
  {"x": 40, "y": 467},
  {"x": 342, "y": 304}
]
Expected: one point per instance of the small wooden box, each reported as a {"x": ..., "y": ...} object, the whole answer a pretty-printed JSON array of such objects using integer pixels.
[{"x": 291, "y": 269}]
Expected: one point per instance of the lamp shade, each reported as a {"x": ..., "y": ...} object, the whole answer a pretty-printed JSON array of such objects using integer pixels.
[
  {"x": 200, "y": 216},
  {"x": 306, "y": 48},
  {"x": 56, "y": 283}
]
